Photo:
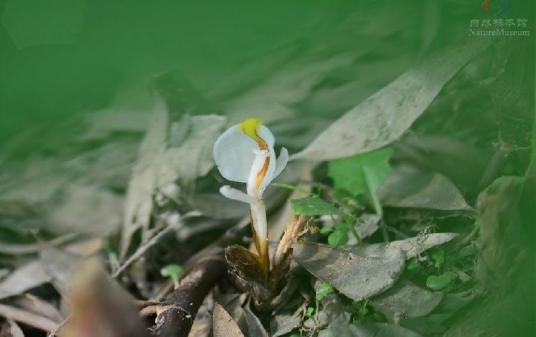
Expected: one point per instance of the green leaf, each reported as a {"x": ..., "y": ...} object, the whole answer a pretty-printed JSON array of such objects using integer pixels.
[
  {"x": 363, "y": 311},
  {"x": 438, "y": 282},
  {"x": 309, "y": 311},
  {"x": 438, "y": 256},
  {"x": 313, "y": 206},
  {"x": 379, "y": 317},
  {"x": 324, "y": 289},
  {"x": 342, "y": 226},
  {"x": 290, "y": 187},
  {"x": 362, "y": 174},
  {"x": 413, "y": 264},
  {"x": 338, "y": 238},
  {"x": 172, "y": 271},
  {"x": 326, "y": 230}
]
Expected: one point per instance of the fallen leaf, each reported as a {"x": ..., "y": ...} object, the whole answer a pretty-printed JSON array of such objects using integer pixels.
[
  {"x": 283, "y": 324},
  {"x": 341, "y": 327},
  {"x": 24, "y": 278},
  {"x": 193, "y": 156},
  {"x": 60, "y": 266},
  {"x": 115, "y": 118},
  {"x": 223, "y": 323},
  {"x": 202, "y": 325},
  {"x": 36, "y": 183},
  {"x": 139, "y": 196},
  {"x": 368, "y": 225},
  {"x": 386, "y": 115},
  {"x": 406, "y": 300},
  {"x": 27, "y": 318},
  {"x": 331, "y": 308},
  {"x": 30, "y": 248},
  {"x": 276, "y": 95},
  {"x": 408, "y": 186},
  {"x": 159, "y": 166},
  {"x": 371, "y": 329},
  {"x": 498, "y": 223},
  {"x": 357, "y": 277},
  {"x": 76, "y": 211},
  {"x": 255, "y": 328},
  {"x": 410, "y": 248},
  {"x": 40, "y": 307},
  {"x": 441, "y": 319},
  {"x": 14, "y": 329},
  {"x": 108, "y": 165}
]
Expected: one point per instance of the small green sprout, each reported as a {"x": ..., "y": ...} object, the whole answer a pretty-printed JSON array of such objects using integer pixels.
[
  {"x": 324, "y": 290},
  {"x": 438, "y": 257},
  {"x": 173, "y": 271},
  {"x": 309, "y": 312}
]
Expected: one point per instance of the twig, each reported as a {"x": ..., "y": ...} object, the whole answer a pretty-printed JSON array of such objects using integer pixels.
[
  {"x": 141, "y": 251},
  {"x": 176, "y": 317},
  {"x": 151, "y": 242}
]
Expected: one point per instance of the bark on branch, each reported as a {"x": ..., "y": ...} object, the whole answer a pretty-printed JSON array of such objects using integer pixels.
[{"x": 175, "y": 319}]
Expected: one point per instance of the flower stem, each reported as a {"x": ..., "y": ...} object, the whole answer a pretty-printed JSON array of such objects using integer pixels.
[
  {"x": 260, "y": 235},
  {"x": 264, "y": 257}
]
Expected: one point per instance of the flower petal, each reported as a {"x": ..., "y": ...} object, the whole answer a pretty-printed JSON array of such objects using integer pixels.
[
  {"x": 256, "y": 167},
  {"x": 282, "y": 162},
  {"x": 233, "y": 154},
  {"x": 266, "y": 135},
  {"x": 234, "y": 194},
  {"x": 278, "y": 167}
]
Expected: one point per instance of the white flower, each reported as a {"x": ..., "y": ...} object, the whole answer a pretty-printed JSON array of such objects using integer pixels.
[{"x": 245, "y": 153}]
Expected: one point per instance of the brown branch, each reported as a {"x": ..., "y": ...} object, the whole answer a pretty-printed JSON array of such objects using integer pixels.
[
  {"x": 176, "y": 315},
  {"x": 175, "y": 318}
]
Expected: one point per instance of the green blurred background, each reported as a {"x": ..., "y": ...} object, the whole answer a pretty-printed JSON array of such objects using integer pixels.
[{"x": 62, "y": 57}]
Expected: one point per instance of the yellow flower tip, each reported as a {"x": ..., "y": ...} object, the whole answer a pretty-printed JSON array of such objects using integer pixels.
[{"x": 250, "y": 126}]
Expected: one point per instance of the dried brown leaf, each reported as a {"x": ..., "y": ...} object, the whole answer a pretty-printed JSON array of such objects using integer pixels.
[
  {"x": 223, "y": 323},
  {"x": 406, "y": 300},
  {"x": 355, "y": 276},
  {"x": 24, "y": 278},
  {"x": 386, "y": 115},
  {"x": 411, "y": 247},
  {"x": 14, "y": 329},
  {"x": 255, "y": 328}
]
